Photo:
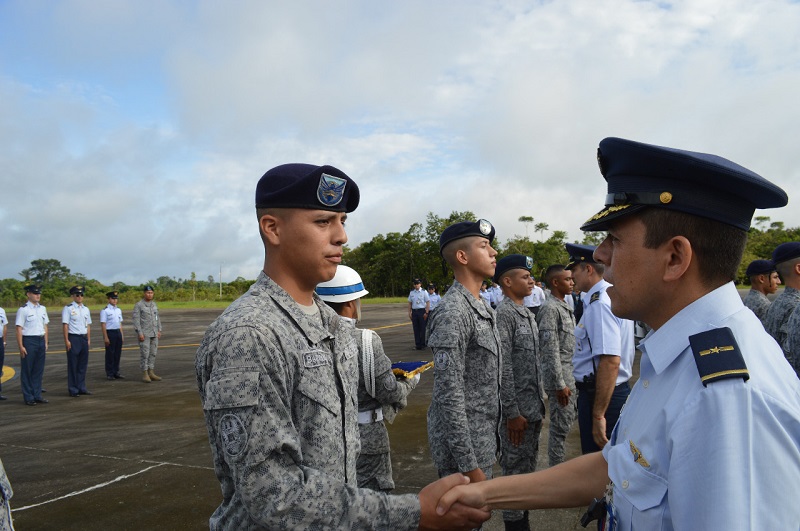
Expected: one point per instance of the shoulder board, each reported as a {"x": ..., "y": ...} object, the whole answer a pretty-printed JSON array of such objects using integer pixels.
[
  {"x": 718, "y": 356},
  {"x": 595, "y": 297}
]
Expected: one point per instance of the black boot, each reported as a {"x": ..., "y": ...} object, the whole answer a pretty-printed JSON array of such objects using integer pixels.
[{"x": 518, "y": 525}]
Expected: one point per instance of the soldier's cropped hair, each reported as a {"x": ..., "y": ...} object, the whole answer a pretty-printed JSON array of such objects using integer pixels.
[
  {"x": 718, "y": 246},
  {"x": 551, "y": 272},
  {"x": 784, "y": 269}
]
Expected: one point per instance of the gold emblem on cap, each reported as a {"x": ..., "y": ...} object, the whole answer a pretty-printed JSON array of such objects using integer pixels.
[
  {"x": 606, "y": 211},
  {"x": 665, "y": 197}
]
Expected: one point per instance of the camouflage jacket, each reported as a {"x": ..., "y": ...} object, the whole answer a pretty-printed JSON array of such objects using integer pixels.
[
  {"x": 521, "y": 389},
  {"x": 778, "y": 315},
  {"x": 556, "y": 344},
  {"x": 278, "y": 388},
  {"x": 758, "y": 303},
  {"x": 465, "y": 407}
]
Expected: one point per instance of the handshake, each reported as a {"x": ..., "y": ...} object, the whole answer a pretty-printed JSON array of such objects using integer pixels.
[{"x": 452, "y": 503}]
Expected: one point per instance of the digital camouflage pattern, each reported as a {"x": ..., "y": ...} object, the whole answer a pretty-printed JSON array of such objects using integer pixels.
[
  {"x": 556, "y": 346},
  {"x": 5, "y": 496},
  {"x": 520, "y": 389},
  {"x": 778, "y": 315},
  {"x": 374, "y": 464},
  {"x": 465, "y": 407},
  {"x": 758, "y": 303},
  {"x": 279, "y": 393},
  {"x": 792, "y": 345}
]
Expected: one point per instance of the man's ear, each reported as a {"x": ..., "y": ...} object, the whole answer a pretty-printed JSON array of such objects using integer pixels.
[
  {"x": 462, "y": 257},
  {"x": 270, "y": 226},
  {"x": 678, "y": 256}
]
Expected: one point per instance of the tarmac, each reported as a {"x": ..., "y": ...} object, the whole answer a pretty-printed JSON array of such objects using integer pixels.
[{"x": 136, "y": 456}]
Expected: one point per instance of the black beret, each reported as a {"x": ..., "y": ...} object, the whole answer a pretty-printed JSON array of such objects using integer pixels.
[
  {"x": 463, "y": 229},
  {"x": 760, "y": 267},
  {"x": 148, "y": 287},
  {"x": 307, "y": 186},
  {"x": 76, "y": 290},
  {"x": 580, "y": 254},
  {"x": 643, "y": 175},
  {"x": 112, "y": 295},
  {"x": 33, "y": 288},
  {"x": 786, "y": 251},
  {"x": 512, "y": 261}
]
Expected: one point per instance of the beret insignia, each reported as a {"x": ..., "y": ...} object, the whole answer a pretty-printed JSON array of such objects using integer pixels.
[
  {"x": 330, "y": 190},
  {"x": 484, "y": 226}
]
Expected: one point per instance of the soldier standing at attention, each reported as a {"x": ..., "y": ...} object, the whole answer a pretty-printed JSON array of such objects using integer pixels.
[
  {"x": 418, "y": 307},
  {"x": 604, "y": 351},
  {"x": 379, "y": 390},
  {"x": 786, "y": 257},
  {"x": 433, "y": 297},
  {"x": 764, "y": 280},
  {"x": 111, "y": 324},
  {"x": 462, "y": 333},
  {"x": 710, "y": 437},
  {"x": 556, "y": 346},
  {"x": 147, "y": 327},
  {"x": 77, "y": 325},
  {"x": 278, "y": 380},
  {"x": 32, "y": 338},
  {"x": 521, "y": 380}
]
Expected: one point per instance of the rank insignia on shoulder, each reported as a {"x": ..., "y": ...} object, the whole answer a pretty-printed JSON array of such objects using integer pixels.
[
  {"x": 595, "y": 297},
  {"x": 718, "y": 356}
]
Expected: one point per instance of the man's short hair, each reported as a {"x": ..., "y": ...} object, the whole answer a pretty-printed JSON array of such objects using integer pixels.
[
  {"x": 450, "y": 249},
  {"x": 718, "y": 246},
  {"x": 551, "y": 273},
  {"x": 785, "y": 269}
]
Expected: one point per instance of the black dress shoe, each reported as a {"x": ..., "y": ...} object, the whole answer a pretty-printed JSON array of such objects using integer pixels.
[
  {"x": 44, "y": 390},
  {"x": 30, "y": 402},
  {"x": 3, "y": 398},
  {"x": 74, "y": 395},
  {"x": 110, "y": 378},
  {"x": 84, "y": 392},
  {"x": 42, "y": 401},
  {"x": 119, "y": 377}
]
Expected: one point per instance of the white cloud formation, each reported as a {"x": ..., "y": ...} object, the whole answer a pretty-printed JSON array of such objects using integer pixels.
[{"x": 132, "y": 133}]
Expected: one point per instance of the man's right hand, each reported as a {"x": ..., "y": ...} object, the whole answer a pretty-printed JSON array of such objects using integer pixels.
[
  {"x": 457, "y": 516},
  {"x": 141, "y": 338},
  {"x": 475, "y": 475},
  {"x": 563, "y": 396}
]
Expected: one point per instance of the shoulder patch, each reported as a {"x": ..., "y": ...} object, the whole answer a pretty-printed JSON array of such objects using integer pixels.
[
  {"x": 718, "y": 356},
  {"x": 595, "y": 297}
]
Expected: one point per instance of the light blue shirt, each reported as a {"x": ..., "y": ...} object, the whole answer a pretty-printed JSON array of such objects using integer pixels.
[
  {"x": 3, "y": 323},
  {"x": 434, "y": 298},
  {"x": 111, "y": 316},
  {"x": 32, "y": 318},
  {"x": 726, "y": 456},
  {"x": 77, "y": 317},
  {"x": 418, "y": 298},
  {"x": 600, "y": 332}
]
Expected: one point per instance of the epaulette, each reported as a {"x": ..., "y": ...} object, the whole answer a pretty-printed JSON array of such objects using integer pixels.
[
  {"x": 718, "y": 356},
  {"x": 595, "y": 297}
]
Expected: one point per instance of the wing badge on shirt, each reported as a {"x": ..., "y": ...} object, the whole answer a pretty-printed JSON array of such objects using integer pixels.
[{"x": 637, "y": 456}]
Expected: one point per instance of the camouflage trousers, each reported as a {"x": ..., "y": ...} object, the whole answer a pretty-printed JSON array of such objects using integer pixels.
[
  {"x": 147, "y": 351},
  {"x": 374, "y": 471},
  {"x": 519, "y": 459},
  {"x": 561, "y": 419}
]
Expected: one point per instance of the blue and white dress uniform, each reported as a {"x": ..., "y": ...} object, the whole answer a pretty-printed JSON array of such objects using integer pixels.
[
  {"x": 600, "y": 332},
  {"x": 111, "y": 317},
  {"x": 746, "y": 405},
  {"x": 419, "y": 300},
  {"x": 33, "y": 320},
  {"x": 77, "y": 319}
]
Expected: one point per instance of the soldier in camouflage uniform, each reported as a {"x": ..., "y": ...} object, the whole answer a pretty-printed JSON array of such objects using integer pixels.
[
  {"x": 521, "y": 383},
  {"x": 791, "y": 346},
  {"x": 556, "y": 347},
  {"x": 147, "y": 326},
  {"x": 379, "y": 390},
  {"x": 5, "y": 495},
  {"x": 277, "y": 379},
  {"x": 764, "y": 280},
  {"x": 465, "y": 407},
  {"x": 786, "y": 257}
]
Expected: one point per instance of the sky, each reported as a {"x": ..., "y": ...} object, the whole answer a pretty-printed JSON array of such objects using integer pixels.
[{"x": 133, "y": 132}]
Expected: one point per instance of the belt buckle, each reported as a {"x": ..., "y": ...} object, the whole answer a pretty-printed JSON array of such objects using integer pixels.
[{"x": 374, "y": 415}]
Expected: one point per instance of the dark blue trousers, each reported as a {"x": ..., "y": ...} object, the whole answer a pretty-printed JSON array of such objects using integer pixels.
[
  {"x": 585, "y": 403},
  {"x": 2, "y": 359},
  {"x": 77, "y": 362},
  {"x": 418, "y": 322},
  {"x": 113, "y": 352},
  {"x": 32, "y": 368}
]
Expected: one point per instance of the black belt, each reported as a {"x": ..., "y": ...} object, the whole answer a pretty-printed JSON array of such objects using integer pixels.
[
  {"x": 418, "y": 309},
  {"x": 78, "y": 335},
  {"x": 583, "y": 386}
]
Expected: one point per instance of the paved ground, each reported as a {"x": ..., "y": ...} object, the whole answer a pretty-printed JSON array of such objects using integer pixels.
[{"x": 136, "y": 455}]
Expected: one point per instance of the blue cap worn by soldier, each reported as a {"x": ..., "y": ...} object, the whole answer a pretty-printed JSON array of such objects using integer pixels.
[
  {"x": 785, "y": 252},
  {"x": 76, "y": 290},
  {"x": 579, "y": 254},
  {"x": 307, "y": 186},
  {"x": 464, "y": 229},
  {"x": 760, "y": 267},
  {"x": 512, "y": 261},
  {"x": 643, "y": 175},
  {"x": 33, "y": 288}
]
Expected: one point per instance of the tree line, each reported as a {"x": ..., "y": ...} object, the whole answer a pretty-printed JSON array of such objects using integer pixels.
[{"x": 388, "y": 264}]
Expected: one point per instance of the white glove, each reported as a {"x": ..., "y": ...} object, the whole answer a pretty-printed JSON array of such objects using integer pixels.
[{"x": 414, "y": 380}]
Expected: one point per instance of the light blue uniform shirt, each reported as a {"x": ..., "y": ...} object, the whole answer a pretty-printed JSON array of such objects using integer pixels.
[
  {"x": 32, "y": 318},
  {"x": 600, "y": 332},
  {"x": 726, "y": 456},
  {"x": 418, "y": 298},
  {"x": 111, "y": 316},
  {"x": 77, "y": 317}
]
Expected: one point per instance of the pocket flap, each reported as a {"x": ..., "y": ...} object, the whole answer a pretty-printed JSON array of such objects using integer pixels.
[
  {"x": 232, "y": 388},
  {"x": 642, "y": 488}
]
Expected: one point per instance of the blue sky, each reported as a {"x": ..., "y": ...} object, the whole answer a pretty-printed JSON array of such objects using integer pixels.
[{"x": 132, "y": 133}]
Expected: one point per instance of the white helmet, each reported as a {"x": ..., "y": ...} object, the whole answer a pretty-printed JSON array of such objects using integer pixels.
[{"x": 345, "y": 286}]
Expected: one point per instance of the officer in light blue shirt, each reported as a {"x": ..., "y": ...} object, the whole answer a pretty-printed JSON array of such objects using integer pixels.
[
  {"x": 418, "y": 308},
  {"x": 76, "y": 322},
  {"x": 32, "y": 338},
  {"x": 710, "y": 435}
]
